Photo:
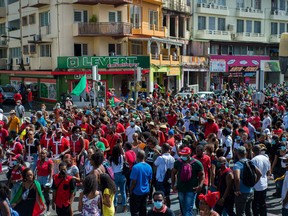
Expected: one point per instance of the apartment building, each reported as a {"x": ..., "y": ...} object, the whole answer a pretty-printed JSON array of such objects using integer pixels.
[{"x": 242, "y": 34}]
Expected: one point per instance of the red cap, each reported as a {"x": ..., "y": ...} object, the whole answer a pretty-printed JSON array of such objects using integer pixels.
[
  {"x": 185, "y": 151},
  {"x": 210, "y": 198}
]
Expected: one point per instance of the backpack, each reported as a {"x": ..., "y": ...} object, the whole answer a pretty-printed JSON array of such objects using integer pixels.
[
  {"x": 249, "y": 176},
  {"x": 186, "y": 171},
  {"x": 108, "y": 169}
]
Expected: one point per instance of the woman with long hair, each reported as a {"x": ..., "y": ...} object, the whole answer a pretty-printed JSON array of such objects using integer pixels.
[
  {"x": 90, "y": 199},
  {"x": 4, "y": 201},
  {"x": 117, "y": 160},
  {"x": 29, "y": 199},
  {"x": 108, "y": 189}
]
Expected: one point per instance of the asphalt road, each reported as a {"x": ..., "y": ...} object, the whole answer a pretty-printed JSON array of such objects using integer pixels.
[{"x": 273, "y": 204}]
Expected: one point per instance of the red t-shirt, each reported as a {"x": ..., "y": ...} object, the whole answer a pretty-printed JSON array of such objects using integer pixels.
[
  {"x": 278, "y": 132},
  {"x": 171, "y": 141},
  {"x": 29, "y": 96},
  {"x": 44, "y": 142},
  {"x": 43, "y": 170},
  {"x": 16, "y": 148},
  {"x": 17, "y": 97},
  {"x": 206, "y": 162},
  {"x": 120, "y": 128},
  {"x": 3, "y": 134},
  {"x": 17, "y": 174},
  {"x": 171, "y": 119},
  {"x": 210, "y": 128},
  {"x": 130, "y": 157},
  {"x": 112, "y": 140},
  {"x": 1, "y": 98},
  {"x": 256, "y": 122},
  {"x": 63, "y": 144}
]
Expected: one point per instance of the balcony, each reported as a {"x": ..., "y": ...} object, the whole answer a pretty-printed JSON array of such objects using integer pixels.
[
  {"x": 213, "y": 35},
  {"x": 194, "y": 62},
  {"x": 250, "y": 12},
  {"x": 41, "y": 63},
  {"x": 250, "y": 37},
  {"x": 116, "y": 3},
  {"x": 38, "y": 3},
  {"x": 279, "y": 15},
  {"x": 176, "y": 6},
  {"x": 275, "y": 38},
  {"x": 150, "y": 30},
  {"x": 212, "y": 8},
  {"x": 118, "y": 29},
  {"x": 2, "y": 12},
  {"x": 164, "y": 59}
]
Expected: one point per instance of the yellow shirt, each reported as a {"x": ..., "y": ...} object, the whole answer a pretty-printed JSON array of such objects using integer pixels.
[
  {"x": 106, "y": 210},
  {"x": 14, "y": 124}
]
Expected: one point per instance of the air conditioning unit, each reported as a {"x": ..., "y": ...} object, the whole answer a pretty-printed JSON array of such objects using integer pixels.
[
  {"x": 37, "y": 37},
  {"x": 231, "y": 27}
]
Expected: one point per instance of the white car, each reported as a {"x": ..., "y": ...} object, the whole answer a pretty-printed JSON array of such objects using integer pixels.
[{"x": 205, "y": 94}]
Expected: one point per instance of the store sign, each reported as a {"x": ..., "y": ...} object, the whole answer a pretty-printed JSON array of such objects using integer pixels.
[
  {"x": 217, "y": 65},
  {"x": 243, "y": 69},
  {"x": 270, "y": 66},
  {"x": 103, "y": 62}
]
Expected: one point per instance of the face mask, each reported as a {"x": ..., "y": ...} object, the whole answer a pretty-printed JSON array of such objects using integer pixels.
[
  {"x": 184, "y": 158},
  {"x": 158, "y": 204},
  {"x": 95, "y": 139},
  {"x": 63, "y": 172},
  {"x": 262, "y": 152},
  {"x": 283, "y": 164},
  {"x": 132, "y": 124},
  {"x": 15, "y": 163},
  {"x": 284, "y": 139},
  {"x": 167, "y": 113},
  {"x": 273, "y": 142},
  {"x": 77, "y": 134},
  {"x": 283, "y": 148},
  {"x": 57, "y": 107}
]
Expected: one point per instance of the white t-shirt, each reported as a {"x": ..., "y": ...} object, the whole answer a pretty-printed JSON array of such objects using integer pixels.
[
  {"x": 176, "y": 156},
  {"x": 285, "y": 121},
  {"x": 163, "y": 162},
  {"x": 226, "y": 144},
  {"x": 285, "y": 189},
  {"x": 266, "y": 122},
  {"x": 118, "y": 168},
  {"x": 130, "y": 131},
  {"x": 263, "y": 164}
]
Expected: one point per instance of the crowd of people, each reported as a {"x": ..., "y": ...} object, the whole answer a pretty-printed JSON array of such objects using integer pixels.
[{"x": 216, "y": 154}]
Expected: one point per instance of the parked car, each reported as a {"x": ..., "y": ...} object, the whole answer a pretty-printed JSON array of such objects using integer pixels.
[
  {"x": 182, "y": 95},
  {"x": 205, "y": 94},
  {"x": 8, "y": 92}
]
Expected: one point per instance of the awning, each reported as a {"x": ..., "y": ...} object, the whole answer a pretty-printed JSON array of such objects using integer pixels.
[{"x": 161, "y": 40}]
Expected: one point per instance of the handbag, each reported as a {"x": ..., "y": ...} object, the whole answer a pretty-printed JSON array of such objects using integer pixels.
[{"x": 126, "y": 168}]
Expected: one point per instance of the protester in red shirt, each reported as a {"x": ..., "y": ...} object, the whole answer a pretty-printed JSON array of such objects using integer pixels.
[
  {"x": 17, "y": 97},
  {"x": 3, "y": 134},
  {"x": 210, "y": 126},
  {"x": 112, "y": 137},
  {"x": 1, "y": 99},
  {"x": 16, "y": 174},
  {"x": 172, "y": 118},
  {"x": 58, "y": 144},
  {"x": 45, "y": 139},
  {"x": 29, "y": 98},
  {"x": 171, "y": 140}
]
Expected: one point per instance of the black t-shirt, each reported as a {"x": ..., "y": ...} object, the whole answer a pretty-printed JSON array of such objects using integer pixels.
[
  {"x": 168, "y": 212},
  {"x": 33, "y": 146}
]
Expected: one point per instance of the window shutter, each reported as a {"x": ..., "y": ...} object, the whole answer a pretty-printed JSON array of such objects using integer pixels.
[
  {"x": 85, "y": 16},
  {"x": 118, "y": 51},
  {"x": 85, "y": 49},
  {"x": 119, "y": 16}
]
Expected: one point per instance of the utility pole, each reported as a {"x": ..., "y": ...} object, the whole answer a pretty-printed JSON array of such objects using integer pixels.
[
  {"x": 95, "y": 83},
  {"x": 21, "y": 36}
]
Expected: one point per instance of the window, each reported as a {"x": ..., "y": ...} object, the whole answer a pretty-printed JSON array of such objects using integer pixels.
[
  {"x": 221, "y": 24},
  {"x": 114, "y": 49},
  {"x": 136, "y": 48},
  {"x": 222, "y": 2},
  {"x": 188, "y": 3},
  {"x": 24, "y": 21},
  {"x": 281, "y": 28},
  {"x": 274, "y": 28},
  {"x": 12, "y": 1},
  {"x": 201, "y": 23},
  {"x": 237, "y": 50},
  {"x": 249, "y": 26},
  {"x": 45, "y": 50},
  {"x": 14, "y": 25},
  {"x": 239, "y": 3},
  {"x": 80, "y": 49},
  {"x": 257, "y": 27},
  {"x": 32, "y": 19},
  {"x": 282, "y": 5},
  {"x": 136, "y": 16},
  {"x": 115, "y": 16},
  {"x": 212, "y": 23},
  {"x": 214, "y": 49},
  {"x": 187, "y": 24},
  {"x": 240, "y": 26},
  {"x": 153, "y": 19},
  {"x": 2, "y": 3},
  {"x": 32, "y": 48},
  {"x": 15, "y": 52},
  {"x": 81, "y": 16},
  {"x": 44, "y": 19},
  {"x": 25, "y": 49},
  {"x": 2, "y": 29},
  {"x": 224, "y": 49},
  {"x": 257, "y": 4}
]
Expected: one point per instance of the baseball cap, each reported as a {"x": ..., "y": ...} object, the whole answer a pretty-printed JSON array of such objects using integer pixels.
[{"x": 185, "y": 151}]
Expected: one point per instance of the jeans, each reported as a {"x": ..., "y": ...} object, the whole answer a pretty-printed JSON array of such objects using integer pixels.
[
  {"x": 187, "y": 200},
  {"x": 34, "y": 162},
  {"x": 44, "y": 180},
  {"x": 284, "y": 212},
  {"x": 120, "y": 181},
  {"x": 138, "y": 205},
  {"x": 30, "y": 104},
  {"x": 259, "y": 203},
  {"x": 243, "y": 204}
]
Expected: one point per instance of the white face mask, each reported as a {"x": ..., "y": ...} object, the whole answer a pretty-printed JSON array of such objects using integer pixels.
[{"x": 262, "y": 152}]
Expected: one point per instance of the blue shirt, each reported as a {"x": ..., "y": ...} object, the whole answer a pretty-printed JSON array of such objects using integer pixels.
[
  {"x": 243, "y": 188},
  {"x": 142, "y": 174},
  {"x": 42, "y": 121}
]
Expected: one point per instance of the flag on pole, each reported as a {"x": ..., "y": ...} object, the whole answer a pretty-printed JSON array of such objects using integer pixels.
[
  {"x": 156, "y": 86},
  {"x": 81, "y": 88}
]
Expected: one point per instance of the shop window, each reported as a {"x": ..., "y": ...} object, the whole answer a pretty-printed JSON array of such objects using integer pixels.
[
  {"x": 114, "y": 49},
  {"x": 240, "y": 26},
  {"x": 25, "y": 49},
  {"x": 81, "y": 16},
  {"x": 32, "y": 19},
  {"x": 214, "y": 49},
  {"x": 44, "y": 18},
  {"x": 244, "y": 50},
  {"x": 80, "y": 49},
  {"x": 32, "y": 49},
  {"x": 224, "y": 50},
  {"x": 45, "y": 50},
  {"x": 201, "y": 23},
  {"x": 24, "y": 21},
  {"x": 237, "y": 50},
  {"x": 115, "y": 16}
]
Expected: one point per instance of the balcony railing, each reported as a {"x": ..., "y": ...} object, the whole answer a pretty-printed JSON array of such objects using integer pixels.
[
  {"x": 213, "y": 34},
  {"x": 250, "y": 34},
  {"x": 164, "y": 59},
  {"x": 175, "y": 5},
  {"x": 149, "y": 29},
  {"x": 279, "y": 15},
  {"x": 275, "y": 38},
  {"x": 107, "y": 2},
  {"x": 250, "y": 12},
  {"x": 212, "y": 8},
  {"x": 119, "y": 29},
  {"x": 38, "y": 3}
]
